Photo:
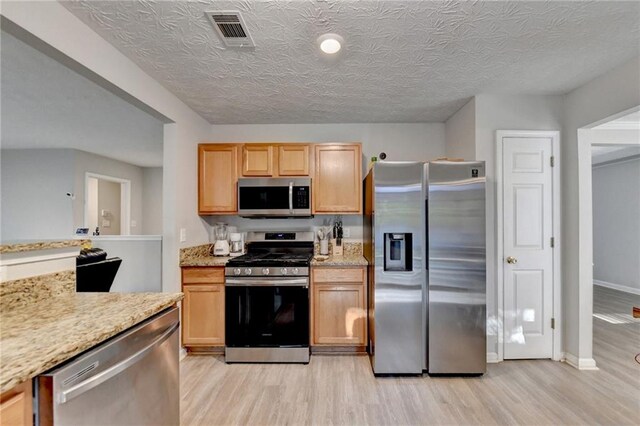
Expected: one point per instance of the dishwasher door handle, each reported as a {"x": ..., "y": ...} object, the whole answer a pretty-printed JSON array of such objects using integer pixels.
[{"x": 105, "y": 375}]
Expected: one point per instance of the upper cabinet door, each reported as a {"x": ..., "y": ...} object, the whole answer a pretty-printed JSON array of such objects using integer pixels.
[
  {"x": 337, "y": 180},
  {"x": 293, "y": 160},
  {"x": 217, "y": 178},
  {"x": 257, "y": 160}
]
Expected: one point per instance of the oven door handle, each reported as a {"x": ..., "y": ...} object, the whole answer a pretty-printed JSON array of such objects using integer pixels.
[{"x": 266, "y": 282}]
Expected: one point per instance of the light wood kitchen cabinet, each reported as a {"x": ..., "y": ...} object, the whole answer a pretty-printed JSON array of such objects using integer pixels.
[
  {"x": 217, "y": 178},
  {"x": 273, "y": 160},
  {"x": 293, "y": 160},
  {"x": 16, "y": 408},
  {"x": 257, "y": 160},
  {"x": 203, "y": 307},
  {"x": 339, "y": 313},
  {"x": 337, "y": 179}
]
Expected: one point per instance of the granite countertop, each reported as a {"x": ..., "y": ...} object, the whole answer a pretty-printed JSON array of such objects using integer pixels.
[
  {"x": 31, "y": 245},
  {"x": 205, "y": 260},
  {"x": 38, "y": 336},
  {"x": 346, "y": 260},
  {"x": 200, "y": 256}
]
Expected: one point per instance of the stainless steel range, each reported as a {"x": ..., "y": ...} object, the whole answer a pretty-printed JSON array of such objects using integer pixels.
[{"x": 267, "y": 299}]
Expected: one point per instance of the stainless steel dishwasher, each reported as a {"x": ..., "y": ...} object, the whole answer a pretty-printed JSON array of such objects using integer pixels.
[{"x": 131, "y": 379}]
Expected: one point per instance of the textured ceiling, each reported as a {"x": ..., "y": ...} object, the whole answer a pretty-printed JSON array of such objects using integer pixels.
[
  {"x": 404, "y": 61},
  {"x": 47, "y": 105}
]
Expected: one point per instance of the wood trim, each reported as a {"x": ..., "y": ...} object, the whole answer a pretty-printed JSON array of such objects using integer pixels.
[
  {"x": 338, "y": 350},
  {"x": 203, "y": 275}
]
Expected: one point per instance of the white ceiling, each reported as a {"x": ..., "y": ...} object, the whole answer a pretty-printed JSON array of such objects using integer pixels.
[
  {"x": 47, "y": 105},
  {"x": 404, "y": 61}
]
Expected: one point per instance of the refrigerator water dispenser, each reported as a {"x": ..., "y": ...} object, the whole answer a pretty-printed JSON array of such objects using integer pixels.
[{"x": 398, "y": 253}]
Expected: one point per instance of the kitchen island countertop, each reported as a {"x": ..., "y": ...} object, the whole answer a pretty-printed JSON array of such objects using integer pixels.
[{"x": 36, "y": 337}]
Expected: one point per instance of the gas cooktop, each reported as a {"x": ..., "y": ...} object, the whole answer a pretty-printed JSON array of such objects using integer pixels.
[{"x": 272, "y": 259}]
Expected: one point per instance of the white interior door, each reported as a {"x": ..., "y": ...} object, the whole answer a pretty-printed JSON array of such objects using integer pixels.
[{"x": 527, "y": 261}]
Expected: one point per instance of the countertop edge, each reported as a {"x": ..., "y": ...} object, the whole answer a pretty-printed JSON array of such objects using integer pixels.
[
  {"x": 69, "y": 351},
  {"x": 41, "y": 245}
]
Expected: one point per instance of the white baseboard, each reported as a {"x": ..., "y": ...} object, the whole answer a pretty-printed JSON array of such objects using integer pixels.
[
  {"x": 580, "y": 363},
  {"x": 492, "y": 357},
  {"x": 618, "y": 287}
]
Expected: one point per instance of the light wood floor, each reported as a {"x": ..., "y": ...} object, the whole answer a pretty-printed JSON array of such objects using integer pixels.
[{"x": 341, "y": 390}]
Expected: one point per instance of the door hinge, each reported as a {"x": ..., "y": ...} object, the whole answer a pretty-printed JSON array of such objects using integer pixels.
[
  {"x": 553, "y": 161},
  {"x": 553, "y": 242},
  {"x": 553, "y": 323}
]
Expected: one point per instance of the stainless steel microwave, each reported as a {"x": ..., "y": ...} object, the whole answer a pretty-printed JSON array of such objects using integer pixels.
[{"x": 274, "y": 197}]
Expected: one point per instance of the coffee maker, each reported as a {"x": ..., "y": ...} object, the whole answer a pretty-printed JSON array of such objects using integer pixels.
[
  {"x": 221, "y": 244},
  {"x": 237, "y": 245}
]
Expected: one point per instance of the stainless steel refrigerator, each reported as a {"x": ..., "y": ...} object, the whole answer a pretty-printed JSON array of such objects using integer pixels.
[{"x": 424, "y": 239}]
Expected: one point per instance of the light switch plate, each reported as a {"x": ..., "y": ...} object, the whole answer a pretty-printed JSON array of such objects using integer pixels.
[{"x": 183, "y": 235}]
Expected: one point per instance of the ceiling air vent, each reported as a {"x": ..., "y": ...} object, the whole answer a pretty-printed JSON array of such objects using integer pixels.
[{"x": 231, "y": 28}]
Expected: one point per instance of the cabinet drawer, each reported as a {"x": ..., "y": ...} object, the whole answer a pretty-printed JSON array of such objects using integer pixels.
[
  {"x": 203, "y": 275},
  {"x": 338, "y": 275}
]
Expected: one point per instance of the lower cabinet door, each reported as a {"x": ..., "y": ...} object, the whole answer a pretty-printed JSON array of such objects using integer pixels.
[
  {"x": 16, "y": 407},
  {"x": 339, "y": 314},
  {"x": 203, "y": 315}
]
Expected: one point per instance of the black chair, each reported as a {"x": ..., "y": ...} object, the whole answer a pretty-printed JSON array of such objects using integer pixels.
[{"x": 94, "y": 272}]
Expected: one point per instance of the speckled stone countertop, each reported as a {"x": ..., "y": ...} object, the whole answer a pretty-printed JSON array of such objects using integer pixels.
[
  {"x": 20, "y": 246},
  {"x": 199, "y": 256},
  {"x": 346, "y": 260},
  {"x": 43, "y": 334}
]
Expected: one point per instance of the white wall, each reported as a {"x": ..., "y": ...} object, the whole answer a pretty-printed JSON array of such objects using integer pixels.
[
  {"x": 34, "y": 201},
  {"x": 460, "y": 132},
  {"x": 614, "y": 92},
  {"x": 87, "y": 162},
  {"x": 400, "y": 141},
  {"x": 60, "y": 29},
  {"x": 616, "y": 223},
  {"x": 152, "y": 201},
  {"x": 505, "y": 112},
  {"x": 141, "y": 267}
]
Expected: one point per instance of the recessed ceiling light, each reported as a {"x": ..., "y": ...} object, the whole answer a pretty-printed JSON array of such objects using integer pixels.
[{"x": 330, "y": 43}]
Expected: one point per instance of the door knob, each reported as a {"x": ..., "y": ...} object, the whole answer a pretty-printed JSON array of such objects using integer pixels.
[{"x": 512, "y": 260}]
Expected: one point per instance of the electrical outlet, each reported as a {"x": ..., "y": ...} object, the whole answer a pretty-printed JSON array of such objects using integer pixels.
[
  {"x": 183, "y": 235},
  {"x": 346, "y": 232},
  {"x": 106, "y": 223}
]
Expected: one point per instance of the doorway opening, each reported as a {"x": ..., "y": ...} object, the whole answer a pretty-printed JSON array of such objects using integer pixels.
[
  {"x": 108, "y": 205},
  {"x": 611, "y": 149}
]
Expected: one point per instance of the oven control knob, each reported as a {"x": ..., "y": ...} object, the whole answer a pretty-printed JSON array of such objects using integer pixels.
[
  {"x": 247, "y": 271},
  {"x": 283, "y": 271},
  {"x": 237, "y": 271},
  {"x": 265, "y": 271},
  {"x": 295, "y": 271}
]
